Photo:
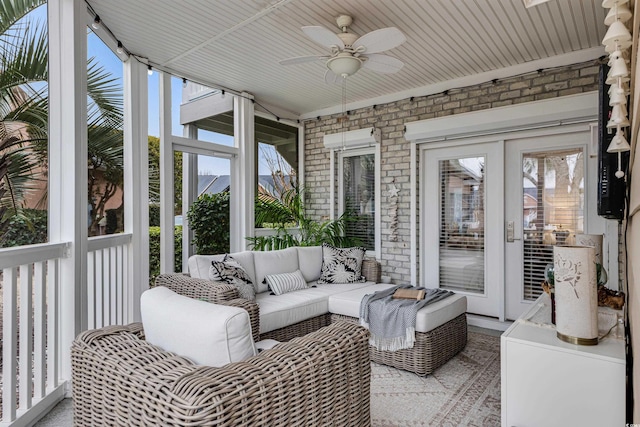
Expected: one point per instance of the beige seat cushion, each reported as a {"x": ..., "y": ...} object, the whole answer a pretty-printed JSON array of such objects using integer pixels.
[
  {"x": 429, "y": 317},
  {"x": 278, "y": 311}
]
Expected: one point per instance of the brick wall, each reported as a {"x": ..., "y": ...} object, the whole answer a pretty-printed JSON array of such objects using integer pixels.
[{"x": 395, "y": 155}]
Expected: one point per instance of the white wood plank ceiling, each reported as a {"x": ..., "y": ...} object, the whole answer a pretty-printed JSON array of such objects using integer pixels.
[{"x": 237, "y": 44}]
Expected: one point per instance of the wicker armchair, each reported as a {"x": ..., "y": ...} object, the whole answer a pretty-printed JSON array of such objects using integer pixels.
[
  {"x": 217, "y": 293},
  {"x": 321, "y": 379}
]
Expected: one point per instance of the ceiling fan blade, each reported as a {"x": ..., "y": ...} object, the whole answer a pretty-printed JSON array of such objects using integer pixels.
[
  {"x": 330, "y": 77},
  {"x": 383, "y": 63},
  {"x": 301, "y": 59},
  {"x": 380, "y": 40},
  {"x": 323, "y": 36}
]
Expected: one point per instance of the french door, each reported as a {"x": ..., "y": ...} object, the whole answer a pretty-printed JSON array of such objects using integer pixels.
[
  {"x": 545, "y": 192},
  {"x": 462, "y": 217}
]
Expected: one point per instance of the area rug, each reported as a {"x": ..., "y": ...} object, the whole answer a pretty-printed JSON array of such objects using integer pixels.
[{"x": 463, "y": 392}]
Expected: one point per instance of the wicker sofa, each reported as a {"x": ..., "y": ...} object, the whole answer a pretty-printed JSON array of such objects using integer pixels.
[
  {"x": 441, "y": 330},
  {"x": 279, "y": 317},
  {"x": 321, "y": 379}
]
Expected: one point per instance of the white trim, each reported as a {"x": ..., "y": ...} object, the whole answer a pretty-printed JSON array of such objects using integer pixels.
[
  {"x": 136, "y": 181},
  {"x": 243, "y": 178},
  {"x": 189, "y": 193},
  {"x": 166, "y": 177},
  {"x": 68, "y": 163},
  {"x": 366, "y": 137},
  {"x": 13, "y": 257},
  {"x": 527, "y": 67},
  {"x": 332, "y": 187},
  {"x": 301, "y": 152},
  {"x": 109, "y": 241},
  {"x": 487, "y": 322},
  {"x": 413, "y": 215},
  {"x": 202, "y": 147},
  {"x": 377, "y": 220},
  {"x": 40, "y": 408},
  {"x": 548, "y": 112}
]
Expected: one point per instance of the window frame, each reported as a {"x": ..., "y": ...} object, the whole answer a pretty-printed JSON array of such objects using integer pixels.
[{"x": 356, "y": 152}]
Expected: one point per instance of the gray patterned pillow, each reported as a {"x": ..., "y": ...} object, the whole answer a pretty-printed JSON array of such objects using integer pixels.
[
  {"x": 341, "y": 265},
  {"x": 231, "y": 272}
]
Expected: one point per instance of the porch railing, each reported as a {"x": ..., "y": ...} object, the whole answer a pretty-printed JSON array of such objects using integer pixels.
[
  {"x": 108, "y": 299},
  {"x": 30, "y": 333},
  {"x": 30, "y": 287}
]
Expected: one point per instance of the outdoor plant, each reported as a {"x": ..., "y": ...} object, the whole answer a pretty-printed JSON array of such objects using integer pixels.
[
  {"x": 154, "y": 252},
  {"x": 208, "y": 217},
  {"x": 293, "y": 227}
]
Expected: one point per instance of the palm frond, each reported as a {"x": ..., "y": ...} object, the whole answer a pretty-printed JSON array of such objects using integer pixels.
[
  {"x": 105, "y": 93},
  {"x": 12, "y": 11}
]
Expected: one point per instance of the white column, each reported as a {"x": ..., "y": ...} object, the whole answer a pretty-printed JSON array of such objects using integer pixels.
[
  {"x": 166, "y": 177},
  {"x": 189, "y": 194},
  {"x": 68, "y": 163},
  {"x": 243, "y": 173},
  {"x": 136, "y": 184}
]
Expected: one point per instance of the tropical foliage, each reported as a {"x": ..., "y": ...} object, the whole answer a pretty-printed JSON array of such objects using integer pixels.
[
  {"x": 209, "y": 219},
  {"x": 24, "y": 116},
  {"x": 293, "y": 227}
]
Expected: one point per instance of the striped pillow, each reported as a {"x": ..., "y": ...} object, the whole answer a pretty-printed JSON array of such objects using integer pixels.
[{"x": 286, "y": 282}]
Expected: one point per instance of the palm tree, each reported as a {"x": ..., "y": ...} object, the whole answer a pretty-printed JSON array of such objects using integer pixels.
[{"x": 24, "y": 109}]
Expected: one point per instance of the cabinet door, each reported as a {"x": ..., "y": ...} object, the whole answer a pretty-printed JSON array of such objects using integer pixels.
[{"x": 544, "y": 386}]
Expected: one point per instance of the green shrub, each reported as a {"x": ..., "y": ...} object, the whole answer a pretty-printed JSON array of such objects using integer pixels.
[
  {"x": 26, "y": 228},
  {"x": 209, "y": 219},
  {"x": 154, "y": 215},
  {"x": 154, "y": 252}
]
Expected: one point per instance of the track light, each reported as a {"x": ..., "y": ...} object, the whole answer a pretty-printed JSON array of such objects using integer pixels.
[
  {"x": 120, "y": 48},
  {"x": 222, "y": 93},
  {"x": 149, "y": 70},
  {"x": 96, "y": 22},
  {"x": 184, "y": 82}
]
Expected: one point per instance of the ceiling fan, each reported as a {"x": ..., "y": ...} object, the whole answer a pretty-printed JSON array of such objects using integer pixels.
[{"x": 348, "y": 52}]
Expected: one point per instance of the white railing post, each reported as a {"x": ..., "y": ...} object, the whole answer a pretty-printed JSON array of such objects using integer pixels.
[
  {"x": 136, "y": 181},
  {"x": 166, "y": 178},
  {"x": 189, "y": 193},
  {"x": 68, "y": 162},
  {"x": 243, "y": 174}
]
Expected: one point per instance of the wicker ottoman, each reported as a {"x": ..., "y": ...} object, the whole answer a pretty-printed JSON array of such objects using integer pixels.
[{"x": 441, "y": 331}]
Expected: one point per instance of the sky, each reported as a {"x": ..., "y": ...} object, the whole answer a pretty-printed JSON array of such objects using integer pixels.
[{"x": 111, "y": 63}]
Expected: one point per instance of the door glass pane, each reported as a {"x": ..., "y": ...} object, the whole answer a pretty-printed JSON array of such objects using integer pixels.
[
  {"x": 553, "y": 209},
  {"x": 462, "y": 224}
]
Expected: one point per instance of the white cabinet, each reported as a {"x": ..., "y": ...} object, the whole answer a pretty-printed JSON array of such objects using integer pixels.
[{"x": 547, "y": 382}]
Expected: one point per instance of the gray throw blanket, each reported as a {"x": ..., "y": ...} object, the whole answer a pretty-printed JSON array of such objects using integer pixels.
[{"x": 392, "y": 322}]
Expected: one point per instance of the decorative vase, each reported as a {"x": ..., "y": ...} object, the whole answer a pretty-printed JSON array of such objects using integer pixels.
[
  {"x": 576, "y": 294},
  {"x": 595, "y": 240}
]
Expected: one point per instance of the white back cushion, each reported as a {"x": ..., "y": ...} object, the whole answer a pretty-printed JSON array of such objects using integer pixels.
[
  {"x": 199, "y": 264},
  {"x": 310, "y": 260},
  {"x": 273, "y": 262},
  {"x": 207, "y": 334}
]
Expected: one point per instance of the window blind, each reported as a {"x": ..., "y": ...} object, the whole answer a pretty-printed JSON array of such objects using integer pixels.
[
  {"x": 358, "y": 182},
  {"x": 461, "y": 236},
  {"x": 553, "y": 210}
]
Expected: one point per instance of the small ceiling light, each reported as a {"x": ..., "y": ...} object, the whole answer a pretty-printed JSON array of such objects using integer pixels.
[
  {"x": 96, "y": 22},
  {"x": 222, "y": 93},
  {"x": 120, "y": 48},
  {"x": 344, "y": 65},
  {"x": 184, "y": 82},
  {"x": 149, "y": 70}
]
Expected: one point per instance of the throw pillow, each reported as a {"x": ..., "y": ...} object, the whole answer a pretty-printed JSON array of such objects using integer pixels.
[
  {"x": 285, "y": 282},
  {"x": 341, "y": 265},
  {"x": 229, "y": 271}
]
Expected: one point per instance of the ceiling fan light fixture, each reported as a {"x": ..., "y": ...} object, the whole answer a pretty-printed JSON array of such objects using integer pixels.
[{"x": 344, "y": 65}]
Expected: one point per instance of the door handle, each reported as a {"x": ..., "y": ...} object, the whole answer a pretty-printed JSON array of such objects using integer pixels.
[{"x": 511, "y": 231}]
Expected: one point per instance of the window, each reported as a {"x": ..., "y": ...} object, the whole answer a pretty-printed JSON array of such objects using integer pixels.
[{"x": 358, "y": 191}]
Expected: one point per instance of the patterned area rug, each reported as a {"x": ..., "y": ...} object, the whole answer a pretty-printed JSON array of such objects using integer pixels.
[{"x": 463, "y": 392}]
